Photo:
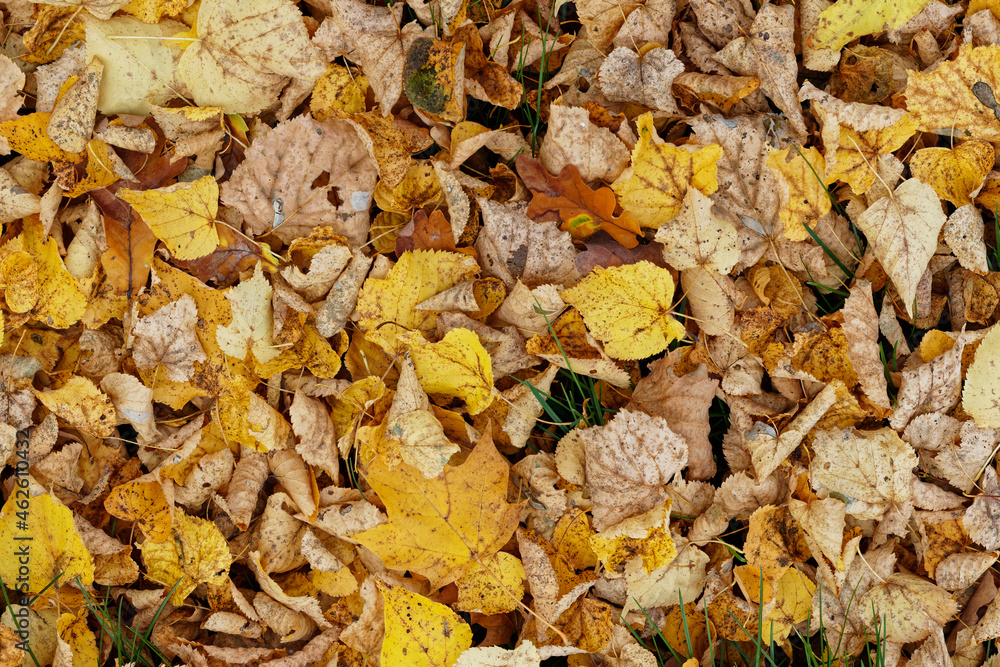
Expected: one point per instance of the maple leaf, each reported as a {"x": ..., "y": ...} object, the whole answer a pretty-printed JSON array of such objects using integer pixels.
[
  {"x": 583, "y": 211},
  {"x": 435, "y": 526}
]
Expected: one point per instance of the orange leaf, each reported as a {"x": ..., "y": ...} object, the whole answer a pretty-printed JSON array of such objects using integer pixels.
[{"x": 583, "y": 211}]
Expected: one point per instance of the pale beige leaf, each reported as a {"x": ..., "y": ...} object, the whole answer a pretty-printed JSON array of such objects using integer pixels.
[
  {"x": 959, "y": 571},
  {"x": 72, "y": 121},
  {"x": 664, "y": 586},
  {"x": 513, "y": 248},
  {"x": 697, "y": 238},
  {"x": 932, "y": 387},
  {"x": 646, "y": 80},
  {"x": 245, "y": 53},
  {"x": 629, "y": 463},
  {"x": 317, "y": 436},
  {"x": 286, "y": 162},
  {"x": 134, "y": 403},
  {"x": 15, "y": 201},
  {"x": 684, "y": 403},
  {"x": 168, "y": 337},
  {"x": 960, "y": 464},
  {"x": 964, "y": 235},
  {"x": 823, "y": 519},
  {"x": 908, "y": 604},
  {"x": 573, "y": 139},
  {"x": 712, "y": 298},
  {"x": 870, "y": 468},
  {"x": 903, "y": 231},
  {"x": 209, "y": 475},
  {"x": 861, "y": 330},
  {"x": 768, "y": 52},
  {"x": 982, "y": 520},
  {"x": 768, "y": 449}
]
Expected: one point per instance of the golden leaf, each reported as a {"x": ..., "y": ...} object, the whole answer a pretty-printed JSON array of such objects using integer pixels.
[{"x": 181, "y": 215}]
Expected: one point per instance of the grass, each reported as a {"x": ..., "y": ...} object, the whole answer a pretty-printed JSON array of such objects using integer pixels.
[{"x": 130, "y": 646}]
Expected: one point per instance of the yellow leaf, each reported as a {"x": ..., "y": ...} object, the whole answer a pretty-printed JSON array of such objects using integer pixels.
[
  {"x": 386, "y": 306},
  {"x": 83, "y": 405},
  {"x": 151, "y": 11},
  {"x": 19, "y": 280},
  {"x": 803, "y": 198},
  {"x": 253, "y": 323},
  {"x": 55, "y": 547},
  {"x": 981, "y": 395},
  {"x": 493, "y": 589},
  {"x": 954, "y": 173},
  {"x": 847, "y": 20},
  {"x": 181, "y": 215},
  {"x": 60, "y": 302},
  {"x": 960, "y": 95},
  {"x": 436, "y": 526},
  {"x": 142, "y": 500},
  {"x": 28, "y": 135},
  {"x": 197, "y": 554},
  {"x": 628, "y": 309},
  {"x": 338, "y": 89},
  {"x": 76, "y": 639},
  {"x": 457, "y": 366},
  {"x": 421, "y": 633},
  {"x": 902, "y": 229},
  {"x": 646, "y": 536},
  {"x": 662, "y": 174},
  {"x": 100, "y": 171}
]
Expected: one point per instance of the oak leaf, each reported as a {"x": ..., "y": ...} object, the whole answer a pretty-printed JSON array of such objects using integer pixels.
[
  {"x": 582, "y": 210},
  {"x": 435, "y": 526}
]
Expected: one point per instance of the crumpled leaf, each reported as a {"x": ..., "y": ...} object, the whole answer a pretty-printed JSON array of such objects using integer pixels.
[
  {"x": 661, "y": 176},
  {"x": 629, "y": 462}
]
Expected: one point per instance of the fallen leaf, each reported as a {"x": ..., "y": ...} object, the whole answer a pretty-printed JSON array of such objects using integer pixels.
[
  {"x": 181, "y": 215},
  {"x": 421, "y": 632}
]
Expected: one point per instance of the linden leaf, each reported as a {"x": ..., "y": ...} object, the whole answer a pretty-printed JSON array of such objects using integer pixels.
[
  {"x": 167, "y": 337},
  {"x": 386, "y": 306},
  {"x": 954, "y": 173},
  {"x": 583, "y": 211},
  {"x": 661, "y": 176},
  {"x": 768, "y": 53},
  {"x": 436, "y": 526},
  {"x": 870, "y": 468},
  {"x": 645, "y": 79},
  {"x": 458, "y": 365},
  {"x": 434, "y": 78},
  {"x": 246, "y": 52},
  {"x": 143, "y": 500},
  {"x": 803, "y": 196},
  {"x": 907, "y": 607},
  {"x": 83, "y": 405},
  {"x": 252, "y": 325},
  {"x": 419, "y": 632},
  {"x": 847, "y": 20},
  {"x": 628, "y": 309},
  {"x": 60, "y": 303},
  {"x": 629, "y": 463},
  {"x": 959, "y": 96},
  {"x": 903, "y": 231},
  {"x": 181, "y": 215},
  {"x": 981, "y": 395},
  {"x": 197, "y": 554},
  {"x": 75, "y": 641},
  {"x": 56, "y": 547},
  {"x": 697, "y": 238}
]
